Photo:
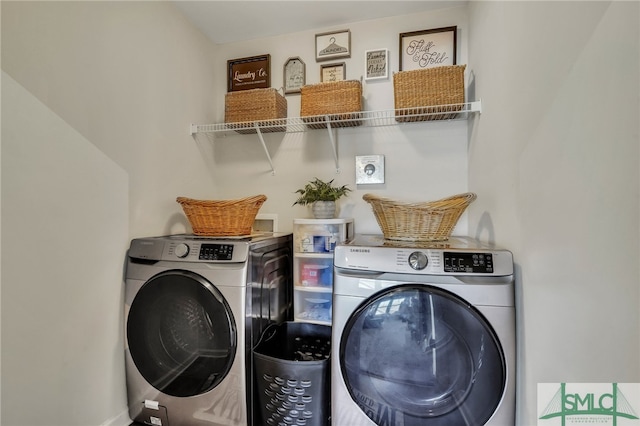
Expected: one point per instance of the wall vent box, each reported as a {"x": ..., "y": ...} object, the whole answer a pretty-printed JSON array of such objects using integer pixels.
[
  {"x": 266, "y": 223},
  {"x": 369, "y": 169}
]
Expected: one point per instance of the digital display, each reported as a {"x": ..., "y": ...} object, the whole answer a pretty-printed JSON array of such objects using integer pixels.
[
  {"x": 468, "y": 262},
  {"x": 216, "y": 252}
]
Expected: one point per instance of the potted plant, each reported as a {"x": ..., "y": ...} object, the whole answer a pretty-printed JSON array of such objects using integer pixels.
[{"x": 322, "y": 196}]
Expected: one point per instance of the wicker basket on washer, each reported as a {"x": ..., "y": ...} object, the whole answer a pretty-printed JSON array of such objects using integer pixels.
[
  {"x": 429, "y": 94},
  {"x": 340, "y": 100},
  {"x": 222, "y": 217},
  {"x": 421, "y": 221}
]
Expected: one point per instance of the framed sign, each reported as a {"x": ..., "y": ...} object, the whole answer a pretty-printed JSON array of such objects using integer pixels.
[
  {"x": 249, "y": 73},
  {"x": 333, "y": 45},
  {"x": 428, "y": 48},
  {"x": 333, "y": 72},
  {"x": 376, "y": 64},
  {"x": 294, "y": 75}
]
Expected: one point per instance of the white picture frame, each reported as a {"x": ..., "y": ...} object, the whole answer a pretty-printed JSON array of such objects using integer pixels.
[
  {"x": 376, "y": 64},
  {"x": 294, "y": 75}
]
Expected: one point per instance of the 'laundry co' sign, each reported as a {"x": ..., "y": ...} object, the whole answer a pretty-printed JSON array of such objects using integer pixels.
[
  {"x": 249, "y": 73},
  {"x": 588, "y": 403}
]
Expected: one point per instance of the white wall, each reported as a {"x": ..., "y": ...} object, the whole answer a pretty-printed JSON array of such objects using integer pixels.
[
  {"x": 422, "y": 161},
  {"x": 97, "y": 98},
  {"x": 130, "y": 77},
  {"x": 554, "y": 160},
  {"x": 64, "y": 223}
]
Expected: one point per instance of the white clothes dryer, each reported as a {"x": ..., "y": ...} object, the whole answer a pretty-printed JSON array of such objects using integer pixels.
[
  {"x": 195, "y": 308},
  {"x": 423, "y": 334}
]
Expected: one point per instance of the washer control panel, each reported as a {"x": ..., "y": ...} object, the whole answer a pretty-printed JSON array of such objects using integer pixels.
[
  {"x": 188, "y": 250},
  {"x": 216, "y": 252}
]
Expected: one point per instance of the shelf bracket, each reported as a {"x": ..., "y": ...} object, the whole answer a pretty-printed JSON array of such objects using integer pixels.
[
  {"x": 264, "y": 146},
  {"x": 476, "y": 106},
  {"x": 332, "y": 139}
]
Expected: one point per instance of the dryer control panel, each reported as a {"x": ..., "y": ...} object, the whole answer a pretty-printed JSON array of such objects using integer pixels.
[
  {"x": 477, "y": 263},
  {"x": 454, "y": 257}
]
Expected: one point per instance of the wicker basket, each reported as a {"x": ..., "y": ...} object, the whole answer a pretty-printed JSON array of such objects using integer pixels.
[
  {"x": 249, "y": 106},
  {"x": 425, "y": 94},
  {"x": 222, "y": 217},
  {"x": 423, "y": 221},
  {"x": 341, "y": 101}
]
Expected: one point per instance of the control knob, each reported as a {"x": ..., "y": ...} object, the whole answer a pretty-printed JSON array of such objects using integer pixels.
[
  {"x": 181, "y": 250},
  {"x": 418, "y": 260}
]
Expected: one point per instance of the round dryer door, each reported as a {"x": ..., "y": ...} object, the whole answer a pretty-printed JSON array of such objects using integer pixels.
[
  {"x": 417, "y": 355},
  {"x": 181, "y": 333}
]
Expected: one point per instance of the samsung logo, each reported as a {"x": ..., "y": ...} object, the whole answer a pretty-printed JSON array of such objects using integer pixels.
[{"x": 360, "y": 250}]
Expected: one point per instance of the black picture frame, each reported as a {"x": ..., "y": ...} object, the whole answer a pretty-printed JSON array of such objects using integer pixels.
[
  {"x": 428, "y": 48},
  {"x": 252, "y": 72}
]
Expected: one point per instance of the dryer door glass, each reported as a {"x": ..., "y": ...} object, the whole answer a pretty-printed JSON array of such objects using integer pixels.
[
  {"x": 181, "y": 333},
  {"x": 417, "y": 355}
]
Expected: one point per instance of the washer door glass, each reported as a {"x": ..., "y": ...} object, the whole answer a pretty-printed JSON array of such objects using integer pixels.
[
  {"x": 417, "y": 355},
  {"x": 181, "y": 333}
]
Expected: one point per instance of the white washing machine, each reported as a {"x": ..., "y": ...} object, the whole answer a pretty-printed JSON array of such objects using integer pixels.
[
  {"x": 194, "y": 310},
  {"x": 423, "y": 334}
]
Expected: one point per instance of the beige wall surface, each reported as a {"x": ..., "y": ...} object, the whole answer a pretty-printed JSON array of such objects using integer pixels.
[
  {"x": 128, "y": 76},
  {"x": 97, "y": 98},
  {"x": 64, "y": 229},
  {"x": 423, "y": 161},
  {"x": 554, "y": 160}
]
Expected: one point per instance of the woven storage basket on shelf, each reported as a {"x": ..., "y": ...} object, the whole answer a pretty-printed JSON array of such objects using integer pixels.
[
  {"x": 422, "y": 221},
  {"x": 249, "y": 106},
  {"x": 222, "y": 217},
  {"x": 429, "y": 94},
  {"x": 340, "y": 100}
]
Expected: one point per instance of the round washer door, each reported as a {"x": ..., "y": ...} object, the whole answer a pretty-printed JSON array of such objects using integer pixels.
[
  {"x": 417, "y": 355},
  {"x": 181, "y": 333}
]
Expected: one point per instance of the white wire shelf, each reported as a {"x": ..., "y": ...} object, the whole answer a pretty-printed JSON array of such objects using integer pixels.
[
  {"x": 357, "y": 119},
  {"x": 331, "y": 122}
]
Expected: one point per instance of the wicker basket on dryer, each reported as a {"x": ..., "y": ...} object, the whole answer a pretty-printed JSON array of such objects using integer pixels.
[
  {"x": 222, "y": 217},
  {"x": 420, "y": 221}
]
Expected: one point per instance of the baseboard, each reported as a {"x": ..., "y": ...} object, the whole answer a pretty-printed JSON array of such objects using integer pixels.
[{"x": 121, "y": 419}]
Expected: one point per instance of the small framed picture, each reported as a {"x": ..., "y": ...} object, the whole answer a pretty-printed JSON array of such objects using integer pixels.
[
  {"x": 333, "y": 45},
  {"x": 376, "y": 64},
  {"x": 249, "y": 73},
  {"x": 428, "y": 48},
  {"x": 294, "y": 75},
  {"x": 333, "y": 72}
]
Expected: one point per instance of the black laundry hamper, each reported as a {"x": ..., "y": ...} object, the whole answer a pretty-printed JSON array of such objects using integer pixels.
[{"x": 292, "y": 365}]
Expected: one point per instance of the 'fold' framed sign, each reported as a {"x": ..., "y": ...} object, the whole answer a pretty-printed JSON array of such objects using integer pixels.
[
  {"x": 249, "y": 73},
  {"x": 428, "y": 48}
]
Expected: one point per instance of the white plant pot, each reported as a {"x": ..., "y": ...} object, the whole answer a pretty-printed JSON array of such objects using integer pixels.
[{"x": 324, "y": 209}]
